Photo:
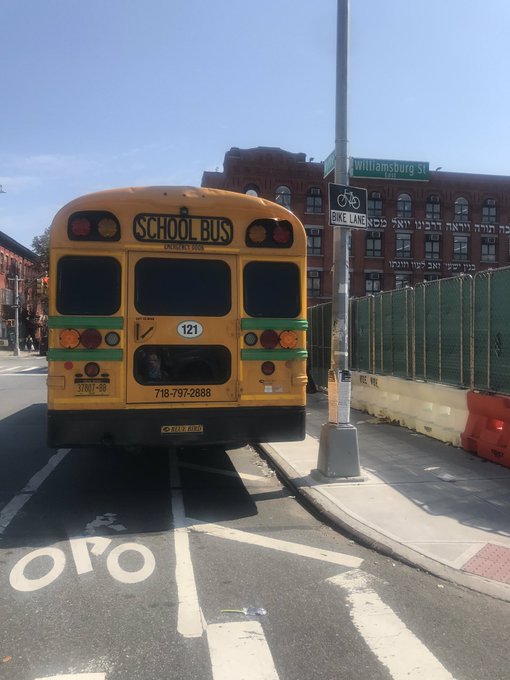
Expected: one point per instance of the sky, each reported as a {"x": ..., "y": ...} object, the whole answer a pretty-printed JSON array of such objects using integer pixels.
[{"x": 99, "y": 94}]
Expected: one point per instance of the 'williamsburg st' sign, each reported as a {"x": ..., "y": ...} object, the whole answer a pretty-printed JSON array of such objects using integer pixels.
[{"x": 370, "y": 167}]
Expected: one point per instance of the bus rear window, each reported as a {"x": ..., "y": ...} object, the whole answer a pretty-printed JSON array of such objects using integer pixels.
[
  {"x": 175, "y": 287},
  {"x": 88, "y": 285},
  {"x": 272, "y": 290}
]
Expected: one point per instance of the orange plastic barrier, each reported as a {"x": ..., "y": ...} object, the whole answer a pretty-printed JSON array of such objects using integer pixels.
[{"x": 487, "y": 430}]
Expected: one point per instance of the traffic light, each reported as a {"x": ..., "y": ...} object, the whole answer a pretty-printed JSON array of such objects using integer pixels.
[{"x": 42, "y": 286}]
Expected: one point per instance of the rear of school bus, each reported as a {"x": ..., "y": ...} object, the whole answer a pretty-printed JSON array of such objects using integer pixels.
[{"x": 177, "y": 316}]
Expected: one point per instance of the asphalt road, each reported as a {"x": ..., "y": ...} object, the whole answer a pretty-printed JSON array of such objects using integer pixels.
[{"x": 139, "y": 567}]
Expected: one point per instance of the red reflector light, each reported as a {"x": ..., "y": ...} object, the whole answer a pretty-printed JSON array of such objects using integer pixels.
[
  {"x": 269, "y": 339},
  {"x": 91, "y": 369},
  {"x": 267, "y": 368},
  {"x": 282, "y": 233},
  {"x": 80, "y": 227},
  {"x": 91, "y": 338}
]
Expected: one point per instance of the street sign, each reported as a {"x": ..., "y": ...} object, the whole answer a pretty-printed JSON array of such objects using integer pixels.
[
  {"x": 347, "y": 206},
  {"x": 329, "y": 164},
  {"x": 415, "y": 171}
]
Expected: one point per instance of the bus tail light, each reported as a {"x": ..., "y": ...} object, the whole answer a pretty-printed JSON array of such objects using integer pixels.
[
  {"x": 270, "y": 233},
  {"x": 282, "y": 233},
  {"x": 69, "y": 338},
  {"x": 91, "y": 369},
  {"x": 93, "y": 225},
  {"x": 91, "y": 338},
  {"x": 267, "y": 368},
  {"x": 269, "y": 339},
  {"x": 80, "y": 227},
  {"x": 288, "y": 339}
]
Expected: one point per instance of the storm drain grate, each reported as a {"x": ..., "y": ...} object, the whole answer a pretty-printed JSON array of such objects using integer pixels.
[{"x": 492, "y": 561}]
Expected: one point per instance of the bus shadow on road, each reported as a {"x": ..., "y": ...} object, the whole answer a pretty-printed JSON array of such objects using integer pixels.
[{"x": 103, "y": 492}]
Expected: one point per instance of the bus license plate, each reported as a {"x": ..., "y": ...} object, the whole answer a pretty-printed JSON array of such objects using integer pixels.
[{"x": 92, "y": 389}]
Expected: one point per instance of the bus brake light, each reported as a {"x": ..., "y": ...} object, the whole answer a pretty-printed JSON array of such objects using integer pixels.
[
  {"x": 269, "y": 339},
  {"x": 282, "y": 233},
  {"x": 91, "y": 338},
  {"x": 80, "y": 227}
]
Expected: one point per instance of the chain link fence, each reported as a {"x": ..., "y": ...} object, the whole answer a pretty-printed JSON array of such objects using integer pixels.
[{"x": 454, "y": 331}]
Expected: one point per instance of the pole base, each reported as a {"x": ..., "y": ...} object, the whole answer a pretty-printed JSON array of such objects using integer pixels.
[{"x": 338, "y": 451}]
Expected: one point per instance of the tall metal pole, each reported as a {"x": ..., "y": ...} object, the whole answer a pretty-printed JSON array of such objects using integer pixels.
[
  {"x": 338, "y": 449},
  {"x": 16, "y": 315}
]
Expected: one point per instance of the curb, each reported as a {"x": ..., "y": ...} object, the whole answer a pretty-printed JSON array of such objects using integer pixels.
[{"x": 340, "y": 519}]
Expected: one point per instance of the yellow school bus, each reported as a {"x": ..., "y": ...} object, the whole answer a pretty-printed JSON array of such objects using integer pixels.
[{"x": 177, "y": 316}]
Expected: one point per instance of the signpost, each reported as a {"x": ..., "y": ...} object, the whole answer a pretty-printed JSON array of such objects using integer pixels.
[{"x": 347, "y": 206}]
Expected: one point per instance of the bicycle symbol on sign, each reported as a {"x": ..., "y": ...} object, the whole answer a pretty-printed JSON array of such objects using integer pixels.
[{"x": 348, "y": 199}]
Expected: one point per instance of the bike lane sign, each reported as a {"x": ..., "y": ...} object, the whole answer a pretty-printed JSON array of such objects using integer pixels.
[{"x": 347, "y": 206}]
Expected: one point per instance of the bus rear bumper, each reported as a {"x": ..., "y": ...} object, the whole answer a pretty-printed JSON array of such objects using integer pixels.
[{"x": 179, "y": 427}]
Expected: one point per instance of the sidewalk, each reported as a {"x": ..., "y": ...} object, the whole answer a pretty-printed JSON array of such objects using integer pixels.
[{"x": 427, "y": 503}]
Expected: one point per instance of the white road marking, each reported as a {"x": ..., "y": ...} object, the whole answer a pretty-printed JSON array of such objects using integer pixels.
[
  {"x": 190, "y": 620},
  {"x": 81, "y": 554},
  {"x": 239, "y": 650},
  {"x": 12, "y": 508},
  {"x": 227, "y": 473},
  {"x": 32, "y": 368},
  {"x": 120, "y": 574},
  {"x": 20, "y": 582},
  {"x": 387, "y": 636},
  {"x": 11, "y": 368},
  {"x": 75, "y": 676},
  {"x": 275, "y": 544}
]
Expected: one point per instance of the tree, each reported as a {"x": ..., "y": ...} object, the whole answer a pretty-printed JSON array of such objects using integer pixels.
[{"x": 41, "y": 247}]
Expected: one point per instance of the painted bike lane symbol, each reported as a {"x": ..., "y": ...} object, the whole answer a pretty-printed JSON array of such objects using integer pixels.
[{"x": 82, "y": 549}]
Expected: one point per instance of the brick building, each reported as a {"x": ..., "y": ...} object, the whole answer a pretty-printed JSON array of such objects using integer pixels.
[
  {"x": 15, "y": 258},
  {"x": 451, "y": 223}
]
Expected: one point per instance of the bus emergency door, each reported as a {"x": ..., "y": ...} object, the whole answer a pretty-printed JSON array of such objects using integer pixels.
[{"x": 182, "y": 344}]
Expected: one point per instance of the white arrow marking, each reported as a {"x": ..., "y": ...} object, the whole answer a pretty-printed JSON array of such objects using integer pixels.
[
  {"x": 275, "y": 544},
  {"x": 387, "y": 636}
]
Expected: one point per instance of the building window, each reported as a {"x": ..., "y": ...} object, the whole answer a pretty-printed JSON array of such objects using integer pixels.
[
  {"x": 433, "y": 208},
  {"x": 489, "y": 248},
  {"x": 313, "y": 241},
  {"x": 251, "y": 190},
  {"x": 313, "y": 283},
  {"x": 461, "y": 213},
  {"x": 431, "y": 277},
  {"x": 403, "y": 245},
  {"x": 432, "y": 243},
  {"x": 283, "y": 196},
  {"x": 2, "y": 264},
  {"x": 402, "y": 281},
  {"x": 404, "y": 205},
  {"x": 373, "y": 244},
  {"x": 375, "y": 205},
  {"x": 372, "y": 282},
  {"x": 489, "y": 211},
  {"x": 460, "y": 247},
  {"x": 314, "y": 200}
]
